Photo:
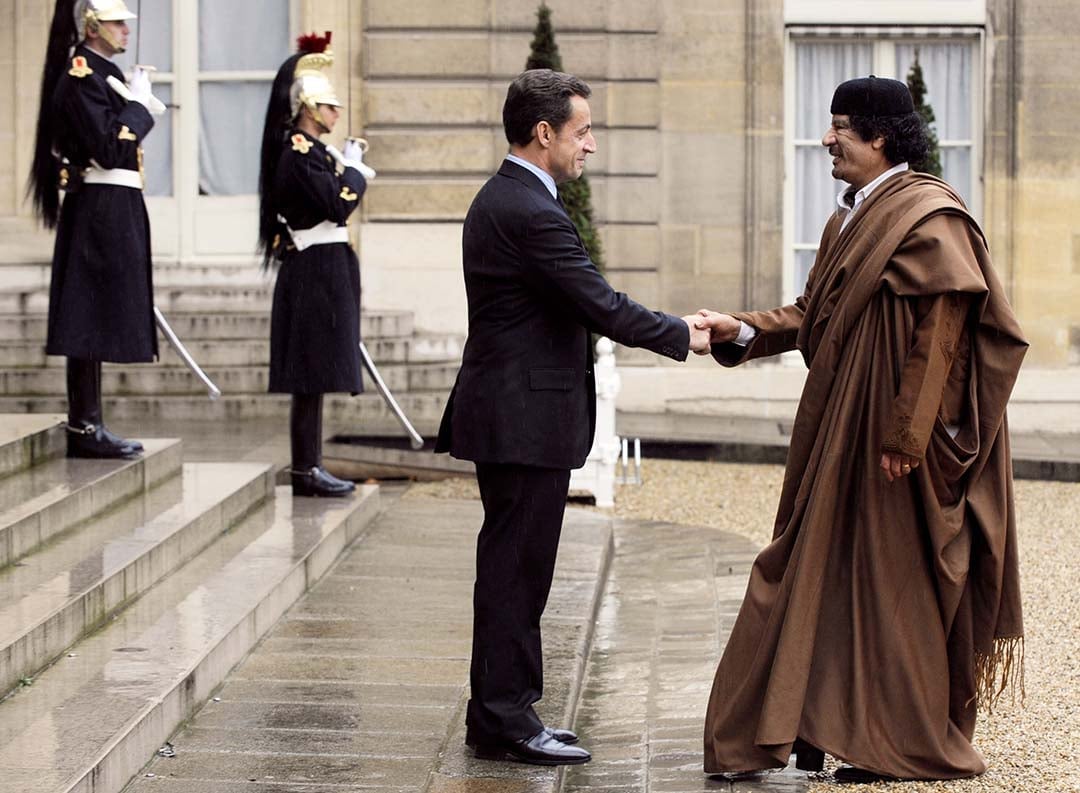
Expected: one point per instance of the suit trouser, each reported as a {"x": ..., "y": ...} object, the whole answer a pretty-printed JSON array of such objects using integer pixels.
[{"x": 515, "y": 562}]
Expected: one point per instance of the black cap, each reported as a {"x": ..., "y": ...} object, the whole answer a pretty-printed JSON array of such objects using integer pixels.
[{"x": 872, "y": 96}]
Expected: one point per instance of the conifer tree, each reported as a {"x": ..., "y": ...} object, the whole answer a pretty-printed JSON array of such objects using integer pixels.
[
  {"x": 917, "y": 86},
  {"x": 576, "y": 194}
]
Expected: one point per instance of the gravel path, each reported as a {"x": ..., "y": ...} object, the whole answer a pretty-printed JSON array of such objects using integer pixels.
[{"x": 1034, "y": 747}]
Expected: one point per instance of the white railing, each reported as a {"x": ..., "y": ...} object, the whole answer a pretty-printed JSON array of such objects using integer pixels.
[{"x": 597, "y": 476}]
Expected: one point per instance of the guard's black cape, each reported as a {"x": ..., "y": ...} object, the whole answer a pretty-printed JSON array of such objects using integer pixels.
[{"x": 101, "y": 293}]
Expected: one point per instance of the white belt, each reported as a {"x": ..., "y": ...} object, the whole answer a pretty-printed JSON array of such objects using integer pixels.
[
  {"x": 324, "y": 233},
  {"x": 114, "y": 176}
]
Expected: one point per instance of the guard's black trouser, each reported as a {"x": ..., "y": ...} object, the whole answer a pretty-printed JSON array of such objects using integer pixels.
[
  {"x": 84, "y": 392},
  {"x": 305, "y": 431}
]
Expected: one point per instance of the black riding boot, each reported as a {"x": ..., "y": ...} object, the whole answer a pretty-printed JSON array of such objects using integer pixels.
[
  {"x": 87, "y": 435},
  {"x": 309, "y": 478}
]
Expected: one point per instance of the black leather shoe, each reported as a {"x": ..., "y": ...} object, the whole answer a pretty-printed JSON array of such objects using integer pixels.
[
  {"x": 92, "y": 441},
  {"x": 807, "y": 757},
  {"x": 859, "y": 776},
  {"x": 562, "y": 736},
  {"x": 315, "y": 481},
  {"x": 114, "y": 438},
  {"x": 541, "y": 749}
]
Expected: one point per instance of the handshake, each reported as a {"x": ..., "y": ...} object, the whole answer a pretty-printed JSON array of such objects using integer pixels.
[{"x": 710, "y": 327}]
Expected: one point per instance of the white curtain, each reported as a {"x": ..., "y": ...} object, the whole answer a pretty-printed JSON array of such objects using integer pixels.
[
  {"x": 820, "y": 67},
  {"x": 237, "y": 36}
]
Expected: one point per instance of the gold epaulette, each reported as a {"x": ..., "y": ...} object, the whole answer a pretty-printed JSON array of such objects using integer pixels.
[
  {"x": 301, "y": 144},
  {"x": 79, "y": 67}
]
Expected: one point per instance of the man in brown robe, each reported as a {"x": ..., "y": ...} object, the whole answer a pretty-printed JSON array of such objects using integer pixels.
[{"x": 887, "y": 607}]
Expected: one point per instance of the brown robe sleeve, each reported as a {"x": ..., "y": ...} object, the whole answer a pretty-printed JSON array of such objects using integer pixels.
[
  {"x": 777, "y": 332},
  {"x": 928, "y": 379}
]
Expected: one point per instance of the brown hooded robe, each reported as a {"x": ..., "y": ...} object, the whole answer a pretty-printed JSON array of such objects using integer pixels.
[{"x": 882, "y": 613}]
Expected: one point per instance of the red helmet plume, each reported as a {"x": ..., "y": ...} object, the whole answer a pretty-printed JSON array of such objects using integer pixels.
[{"x": 313, "y": 43}]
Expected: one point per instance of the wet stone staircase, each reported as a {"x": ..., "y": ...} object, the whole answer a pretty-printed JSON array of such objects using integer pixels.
[
  {"x": 222, "y": 313},
  {"x": 130, "y": 588}
]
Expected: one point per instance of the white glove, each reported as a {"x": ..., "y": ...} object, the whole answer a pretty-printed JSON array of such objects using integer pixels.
[
  {"x": 153, "y": 104},
  {"x": 140, "y": 87},
  {"x": 351, "y": 162},
  {"x": 353, "y": 151}
]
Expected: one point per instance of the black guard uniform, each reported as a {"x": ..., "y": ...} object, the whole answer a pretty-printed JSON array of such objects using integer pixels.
[
  {"x": 101, "y": 295},
  {"x": 315, "y": 325},
  {"x": 307, "y": 192},
  {"x": 88, "y": 145}
]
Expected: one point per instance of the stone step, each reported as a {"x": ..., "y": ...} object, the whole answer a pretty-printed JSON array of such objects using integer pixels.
[
  {"x": 92, "y": 720},
  {"x": 67, "y": 589},
  {"x": 364, "y": 414},
  {"x": 26, "y": 441},
  {"x": 154, "y": 380},
  {"x": 175, "y": 299},
  {"x": 42, "y": 502},
  {"x": 221, "y": 324},
  {"x": 35, "y": 275},
  {"x": 390, "y": 458},
  {"x": 427, "y": 348}
]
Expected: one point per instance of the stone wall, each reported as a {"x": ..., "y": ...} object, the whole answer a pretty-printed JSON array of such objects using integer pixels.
[
  {"x": 677, "y": 164},
  {"x": 688, "y": 107},
  {"x": 1038, "y": 178}
]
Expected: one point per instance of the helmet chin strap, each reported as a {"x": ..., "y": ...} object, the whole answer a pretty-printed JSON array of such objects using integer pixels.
[
  {"x": 316, "y": 114},
  {"x": 106, "y": 35}
]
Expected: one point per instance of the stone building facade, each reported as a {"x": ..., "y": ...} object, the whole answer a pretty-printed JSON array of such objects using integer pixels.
[{"x": 696, "y": 103}]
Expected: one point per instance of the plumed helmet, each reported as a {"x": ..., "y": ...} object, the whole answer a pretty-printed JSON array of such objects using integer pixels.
[
  {"x": 88, "y": 13},
  {"x": 311, "y": 86}
]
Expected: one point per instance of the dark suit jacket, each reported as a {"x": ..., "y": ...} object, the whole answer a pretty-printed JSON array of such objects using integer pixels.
[{"x": 525, "y": 393}]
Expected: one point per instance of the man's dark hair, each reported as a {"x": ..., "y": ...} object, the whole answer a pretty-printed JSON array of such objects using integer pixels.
[
  {"x": 906, "y": 137},
  {"x": 539, "y": 95}
]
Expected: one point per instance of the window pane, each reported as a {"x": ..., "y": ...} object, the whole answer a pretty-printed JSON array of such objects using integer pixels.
[
  {"x": 151, "y": 36},
  {"x": 230, "y": 133},
  {"x": 820, "y": 66},
  {"x": 815, "y": 192},
  {"x": 157, "y": 149},
  {"x": 956, "y": 170},
  {"x": 804, "y": 260},
  {"x": 947, "y": 73},
  {"x": 243, "y": 35}
]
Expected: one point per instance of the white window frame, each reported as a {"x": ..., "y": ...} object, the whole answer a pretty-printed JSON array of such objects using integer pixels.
[
  {"x": 884, "y": 39},
  {"x": 186, "y": 226},
  {"x": 885, "y": 12}
]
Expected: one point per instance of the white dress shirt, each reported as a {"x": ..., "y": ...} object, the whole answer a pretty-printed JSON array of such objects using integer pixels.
[
  {"x": 862, "y": 194},
  {"x": 541, "y": 174}
]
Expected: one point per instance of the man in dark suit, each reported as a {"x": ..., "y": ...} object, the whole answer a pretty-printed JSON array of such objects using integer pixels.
[{"x": 524, "y": 404}]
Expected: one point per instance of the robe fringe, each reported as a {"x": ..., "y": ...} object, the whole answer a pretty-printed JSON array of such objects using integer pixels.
[{"x": 1000, "y": 670}]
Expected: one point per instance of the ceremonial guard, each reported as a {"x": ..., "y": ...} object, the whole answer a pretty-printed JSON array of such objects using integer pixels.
[
  {"x": 90, "y": 130},
  {"x": 307, "y": 191}
]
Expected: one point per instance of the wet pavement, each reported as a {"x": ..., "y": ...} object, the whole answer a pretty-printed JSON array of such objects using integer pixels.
[
  {"x": 362, "y": 685},
  {"x": 671, "y": 598}
]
